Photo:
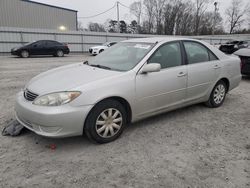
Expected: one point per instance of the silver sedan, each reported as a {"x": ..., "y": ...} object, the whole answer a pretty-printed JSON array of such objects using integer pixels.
[{"x": 132, "y": 80}]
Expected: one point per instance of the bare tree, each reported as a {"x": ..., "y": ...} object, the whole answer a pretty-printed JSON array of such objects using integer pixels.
[
  {"x": 96, "y": 27},
  {"x": 80, "y": 26},
  {"x": 158, "y": 14},
  {"x": 136, "y": 10},
  {"x": 200, "y": 9},
  {"x": 235, "y": 14},
  {"x": 184, "y": 19},
  {"x": 149, "y": 9}
]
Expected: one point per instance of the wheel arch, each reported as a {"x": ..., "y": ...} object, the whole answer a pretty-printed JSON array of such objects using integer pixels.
[
  {"x": 226, "y": 81},
  {"x": 121, "y": 100}
]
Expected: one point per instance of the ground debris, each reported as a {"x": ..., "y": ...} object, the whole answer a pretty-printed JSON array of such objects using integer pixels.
[{"x": 13, "y": 128}]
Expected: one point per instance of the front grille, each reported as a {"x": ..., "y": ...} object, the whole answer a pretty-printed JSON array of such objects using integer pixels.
[
  {"x": 30, "y": 96},
  {"x": 90, "y": 50}
]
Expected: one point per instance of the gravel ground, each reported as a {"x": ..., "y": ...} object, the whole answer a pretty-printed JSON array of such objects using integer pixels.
[{"x": 190, "y": 147}]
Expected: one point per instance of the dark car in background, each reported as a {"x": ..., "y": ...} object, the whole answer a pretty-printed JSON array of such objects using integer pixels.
[
  {"x": 41, "y": 47},
  {"x": 244, "y": 55},
  {"x": 233, "y": 46}
]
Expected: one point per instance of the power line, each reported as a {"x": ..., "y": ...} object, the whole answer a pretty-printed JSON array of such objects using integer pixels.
[{"x": 97, "y": 14}]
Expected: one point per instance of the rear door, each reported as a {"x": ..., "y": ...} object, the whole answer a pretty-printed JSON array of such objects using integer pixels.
[
  {"x": 50, "y": 48},
  {"x": 160, "y": 90},
  {"x": 203, "y": 69}
]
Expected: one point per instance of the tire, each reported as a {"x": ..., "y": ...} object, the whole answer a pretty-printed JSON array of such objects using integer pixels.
[
  {"x": 59, "y": 53},
  {"x": 24, "y": 54},
  {"x": 217, "y": 95},
  {"x": 106, "y": 121},
  {"x": 101, "y": 51}
]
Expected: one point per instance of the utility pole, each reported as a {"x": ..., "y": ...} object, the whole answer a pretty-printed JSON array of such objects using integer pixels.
[
  {"x": 118, "y": 17},
  {"x": 215, "y": 15}
]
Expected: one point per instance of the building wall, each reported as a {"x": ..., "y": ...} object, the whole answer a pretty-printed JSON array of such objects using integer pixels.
[
  {"x": 79, "y": 41},
  {"x": 24, "y": 14}
]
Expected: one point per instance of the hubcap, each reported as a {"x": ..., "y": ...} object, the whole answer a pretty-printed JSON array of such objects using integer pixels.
[
  {"x": 108, "y": 123},
  {"x": 219, "y": 93},
  {"x": 25, "y": 54},
  {"x": 60, "y": 53}
]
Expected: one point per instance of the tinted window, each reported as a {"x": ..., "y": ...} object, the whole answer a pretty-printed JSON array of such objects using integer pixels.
[
  {"x": 51, "y": 43},
  {"x": 196, "y": 53},
  {"x": 168, "y": 55},
  {"x": 38, "y": 43}
]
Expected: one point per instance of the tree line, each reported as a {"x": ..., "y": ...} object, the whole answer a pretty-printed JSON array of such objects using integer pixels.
[{"x": 180, "y": 17}]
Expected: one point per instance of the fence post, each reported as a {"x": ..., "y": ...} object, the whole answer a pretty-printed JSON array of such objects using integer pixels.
[
  {"x": 21, "y": 37},
  {"x": 82, "y": 40}
]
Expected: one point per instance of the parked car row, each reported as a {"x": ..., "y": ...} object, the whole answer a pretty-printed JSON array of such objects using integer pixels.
[
  {"x": 232, "y": 46},
  {"x": 50, "y": 47},
  {"x": 129, "y": 81}
]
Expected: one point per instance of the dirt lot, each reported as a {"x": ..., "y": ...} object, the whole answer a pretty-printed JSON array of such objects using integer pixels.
[{"x": 191, "y": 147}]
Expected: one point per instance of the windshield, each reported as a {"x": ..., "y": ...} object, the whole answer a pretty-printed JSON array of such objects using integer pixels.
[
  {"x": 105, "y": 44},
  {"x": 123, "y": 56}
]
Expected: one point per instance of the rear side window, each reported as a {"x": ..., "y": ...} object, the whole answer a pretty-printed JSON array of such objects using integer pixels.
[{"x": 197, "y": 53}]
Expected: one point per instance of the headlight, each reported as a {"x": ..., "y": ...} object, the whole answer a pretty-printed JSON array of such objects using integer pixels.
[{"x": 56, "y": 99}]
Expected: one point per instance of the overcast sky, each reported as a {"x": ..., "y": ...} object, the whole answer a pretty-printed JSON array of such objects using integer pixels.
[{"x": 92, "y": 7}]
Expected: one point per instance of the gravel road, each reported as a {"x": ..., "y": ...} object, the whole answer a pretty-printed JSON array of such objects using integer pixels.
[{"x": 191, "y": 147}]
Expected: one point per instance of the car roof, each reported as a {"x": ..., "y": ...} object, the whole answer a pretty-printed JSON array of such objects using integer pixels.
[
  {"x": 46, "y": 41},
  {"x": 157, "y": 39}
]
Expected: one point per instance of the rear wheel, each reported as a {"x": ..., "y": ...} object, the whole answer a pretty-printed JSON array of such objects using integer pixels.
[
  {"x": 218, "y": 95},
  {"x": 24, "y": 54},
  {"x": 106, "y": 121},
  {"x": 59, "y": 53}
]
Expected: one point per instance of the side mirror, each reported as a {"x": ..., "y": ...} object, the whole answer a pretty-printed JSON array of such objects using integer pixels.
[{"x": 152, "y": 67}]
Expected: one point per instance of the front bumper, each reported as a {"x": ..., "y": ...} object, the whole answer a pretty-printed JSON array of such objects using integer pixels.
[
  {"x": 61, "y": 121},
  {"x": 93, "y": 51},
  {"x": 14, "y": 52}
]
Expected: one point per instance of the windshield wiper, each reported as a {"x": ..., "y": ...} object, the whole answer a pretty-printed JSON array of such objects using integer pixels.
[{"x": 101, "y": 66}]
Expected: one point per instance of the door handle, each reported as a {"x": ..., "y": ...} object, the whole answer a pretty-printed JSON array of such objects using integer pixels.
[
  {"x": 216, "y": 67},
  {"x": 182, "y": 74}
]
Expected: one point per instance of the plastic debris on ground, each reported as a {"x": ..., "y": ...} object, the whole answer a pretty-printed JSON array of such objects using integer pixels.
[{"x": 13, "y": 128}]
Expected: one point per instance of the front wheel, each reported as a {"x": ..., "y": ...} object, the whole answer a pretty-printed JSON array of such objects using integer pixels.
[
  {"x": 106, "y": 121},
  {"x": 218, "y": 95},
  {"x": 24, "y": 54}
]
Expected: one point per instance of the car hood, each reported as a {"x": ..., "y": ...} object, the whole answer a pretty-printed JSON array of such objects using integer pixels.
[{"x": 67, "y": 78}]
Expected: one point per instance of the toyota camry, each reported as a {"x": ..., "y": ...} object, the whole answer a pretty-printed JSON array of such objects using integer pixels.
[{"x": 128, "y": 82}]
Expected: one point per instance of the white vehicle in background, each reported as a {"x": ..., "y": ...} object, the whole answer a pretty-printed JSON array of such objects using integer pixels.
[{"x": 99, "y": 49}]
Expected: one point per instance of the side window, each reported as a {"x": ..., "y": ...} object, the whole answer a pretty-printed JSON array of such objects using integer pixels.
[
  {"x": 212, "y": 57},
  {"x": 168, "y": 55},
  {"x": 196, "y": 53}
]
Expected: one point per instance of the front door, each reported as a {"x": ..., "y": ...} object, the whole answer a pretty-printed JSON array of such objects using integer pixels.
[{"x": 158, "y": 91}]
